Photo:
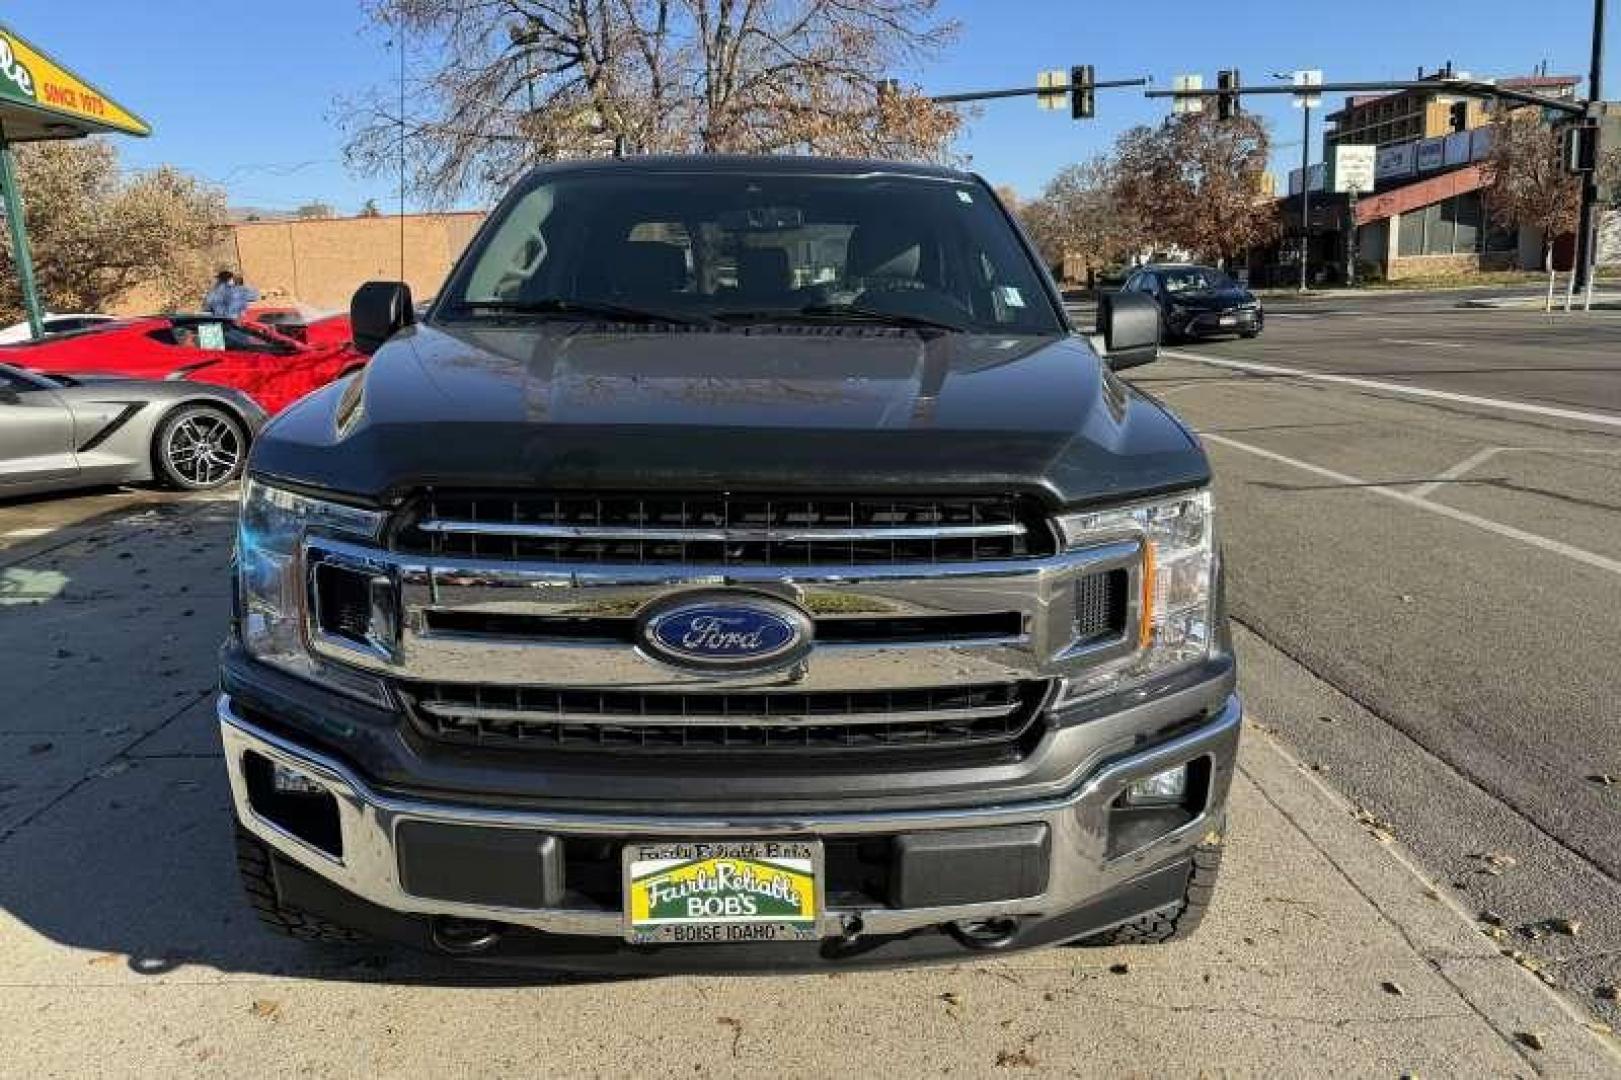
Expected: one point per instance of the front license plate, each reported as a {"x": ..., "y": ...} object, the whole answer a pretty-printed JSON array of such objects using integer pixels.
[
  {"x": 1229, "y": 320},
  {"x": 714, "y": 892}
]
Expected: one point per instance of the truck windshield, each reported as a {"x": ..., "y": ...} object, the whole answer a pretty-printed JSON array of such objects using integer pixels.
[{"x": 737, "y": 248}]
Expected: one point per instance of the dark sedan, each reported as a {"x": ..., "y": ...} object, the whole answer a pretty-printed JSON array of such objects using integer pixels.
[{"x": 1197, "y": 301}]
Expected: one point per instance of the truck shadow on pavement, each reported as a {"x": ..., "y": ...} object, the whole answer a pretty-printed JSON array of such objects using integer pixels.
[{"x": 115, "y": 816}]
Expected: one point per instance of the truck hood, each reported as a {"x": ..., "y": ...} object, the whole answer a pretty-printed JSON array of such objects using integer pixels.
[{"x": 818, "y": 408}]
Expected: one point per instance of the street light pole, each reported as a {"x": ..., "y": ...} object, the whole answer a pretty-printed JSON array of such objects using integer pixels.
[{"x": 1305, "y": 198}]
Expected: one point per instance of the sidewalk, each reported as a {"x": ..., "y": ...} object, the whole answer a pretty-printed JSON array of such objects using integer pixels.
[{"x": 129, "y": 950}]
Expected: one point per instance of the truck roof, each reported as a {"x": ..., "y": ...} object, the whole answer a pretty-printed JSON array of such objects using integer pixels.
[{"x": 753, "y": 163}]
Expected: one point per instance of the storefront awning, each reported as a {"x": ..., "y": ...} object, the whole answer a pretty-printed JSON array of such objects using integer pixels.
[{"x": 40, "y": 99}]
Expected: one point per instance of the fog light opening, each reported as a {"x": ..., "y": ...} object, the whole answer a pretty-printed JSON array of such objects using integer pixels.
[
  {"x": 1168, "y": 788},
  {"x": 294, "y": 802}
]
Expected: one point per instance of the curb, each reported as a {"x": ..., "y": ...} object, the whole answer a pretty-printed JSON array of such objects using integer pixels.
[{"x": 1442, "y": 933}]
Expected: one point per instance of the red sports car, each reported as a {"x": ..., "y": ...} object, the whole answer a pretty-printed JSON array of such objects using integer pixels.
[
  {"x": 272, "y": 369},
  {"x": 300, "y": 323}
]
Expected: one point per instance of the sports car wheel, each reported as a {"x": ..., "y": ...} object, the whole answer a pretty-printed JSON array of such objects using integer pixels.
[{"x": 199, "y": 446}]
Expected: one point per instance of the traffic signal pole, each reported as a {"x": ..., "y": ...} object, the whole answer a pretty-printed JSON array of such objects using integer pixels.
[
  {"x": 1585, "y": 226},
  {"x": 1029, "y": 91}
]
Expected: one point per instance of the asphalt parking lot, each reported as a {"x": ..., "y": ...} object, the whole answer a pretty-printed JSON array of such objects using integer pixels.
[{"x": 1426, "y": 590}]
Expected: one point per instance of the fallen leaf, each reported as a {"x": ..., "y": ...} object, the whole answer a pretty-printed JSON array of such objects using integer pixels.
[
  {"x": 737, "y": 1029},
  {"x": 105, "y": 958},
  {"x": 1015, "y": 1059},
  {"x": 1568, "y": 927},
  {"x": 1393, "y": 988},
  {"x": 1497, "y": 858},
  {"x": 1120, "y": 969},
  {"x": 264, "y": 1007},
  {"x": 1430, "y": 893},
  {"x": 1491, "y": 918},
  {"x": 951, "y": 997},
  {"x": 1608, "y": 992},
  {"x": 1606, "y": 779},
  {"x": 1533, "y": 1039}
]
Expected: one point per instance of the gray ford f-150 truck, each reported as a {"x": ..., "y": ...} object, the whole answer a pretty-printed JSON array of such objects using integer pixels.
[{"x": 743, "y": 564}]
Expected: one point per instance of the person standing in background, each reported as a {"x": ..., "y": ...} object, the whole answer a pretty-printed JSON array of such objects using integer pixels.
[{"x": 222, "y": 297}]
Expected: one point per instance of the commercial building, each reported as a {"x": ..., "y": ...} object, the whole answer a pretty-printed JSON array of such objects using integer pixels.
[{"x": 1426, "y": 214}]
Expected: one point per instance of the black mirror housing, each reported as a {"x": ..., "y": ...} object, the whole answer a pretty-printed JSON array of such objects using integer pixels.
[
  {"x": 1129, "y": 325},
  {"x": 379, "y": 310}
]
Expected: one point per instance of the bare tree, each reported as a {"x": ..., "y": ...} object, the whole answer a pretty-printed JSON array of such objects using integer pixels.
[
  {"x": 96, "y": 234},
  {"x": 1197, "y": 183},
  {"x": 513, "y": 82},
  {"x": 1526, "y": 182},
  {"x": 1079, "y": 215}
]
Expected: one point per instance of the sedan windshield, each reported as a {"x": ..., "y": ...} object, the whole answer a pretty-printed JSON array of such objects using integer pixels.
[
  {"x": 736, "y": 248},
  {"x": 1194, "y": 279}
]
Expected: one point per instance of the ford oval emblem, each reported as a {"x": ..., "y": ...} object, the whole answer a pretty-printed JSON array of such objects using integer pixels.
[{"x": 741, "y": 632}]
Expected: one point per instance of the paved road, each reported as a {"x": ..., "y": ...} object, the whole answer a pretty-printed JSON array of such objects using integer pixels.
[
  {"x": 1421, "y": 508},
  {"x": 129, "y": 950}
]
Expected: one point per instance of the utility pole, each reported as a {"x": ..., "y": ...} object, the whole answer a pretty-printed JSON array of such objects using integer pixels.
[{"x": 1583, "y": 271}]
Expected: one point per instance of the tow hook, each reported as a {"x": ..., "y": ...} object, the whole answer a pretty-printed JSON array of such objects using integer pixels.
[
  {"x": 464, "y": 937},
  {"x": 985, "y": 934}
]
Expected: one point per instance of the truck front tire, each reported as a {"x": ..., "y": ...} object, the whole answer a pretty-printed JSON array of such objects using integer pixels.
[
  {"x": 1176, "y": 922},
  {"x": 259, "y": 881}
]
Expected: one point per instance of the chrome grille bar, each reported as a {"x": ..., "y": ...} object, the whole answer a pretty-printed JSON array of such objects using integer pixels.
[
  {"x": 739, "y": 535},
  {"x": 453, "y": 711}
]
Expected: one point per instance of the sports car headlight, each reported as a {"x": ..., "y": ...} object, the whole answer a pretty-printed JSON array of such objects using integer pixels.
[
  {"x": 1175, "y": 584},
  {"x": 272, "y": 597}
]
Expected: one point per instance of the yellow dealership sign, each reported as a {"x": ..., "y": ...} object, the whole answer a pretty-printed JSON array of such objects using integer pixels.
[{"x": 40, "y": 99}]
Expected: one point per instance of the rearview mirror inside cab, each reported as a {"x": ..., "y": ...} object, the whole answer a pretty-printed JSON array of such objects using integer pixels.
[
  {"x": 1128, "y": 323},
  {"x": 379, "y": 310}
]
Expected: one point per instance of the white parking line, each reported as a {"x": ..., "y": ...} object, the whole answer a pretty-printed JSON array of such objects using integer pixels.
[
  {"x": 1557, "y": 547},
  {"x": 1423, "y": 344},
  {"x": 1607, "y": 419},
  {"x": 23, "y": 534},
  {"x": 1467, "y": 465}
]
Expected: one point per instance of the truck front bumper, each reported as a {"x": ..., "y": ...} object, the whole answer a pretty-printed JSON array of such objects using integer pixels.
[{"x": 1100, "y": 864}]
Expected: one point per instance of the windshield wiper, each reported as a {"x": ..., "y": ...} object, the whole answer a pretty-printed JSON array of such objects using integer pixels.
[
  {"x": 855, "y": 312},
  {"x": 589, "y": 309}
]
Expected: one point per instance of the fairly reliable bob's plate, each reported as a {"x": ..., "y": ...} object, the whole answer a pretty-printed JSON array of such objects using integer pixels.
[{"x": 720, "y": 892}]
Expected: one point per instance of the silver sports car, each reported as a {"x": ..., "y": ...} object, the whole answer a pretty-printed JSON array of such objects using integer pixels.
[{"x": 59, "y": 432}]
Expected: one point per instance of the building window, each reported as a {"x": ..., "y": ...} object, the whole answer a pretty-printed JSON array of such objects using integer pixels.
[{"x": 1455, "y": 226}]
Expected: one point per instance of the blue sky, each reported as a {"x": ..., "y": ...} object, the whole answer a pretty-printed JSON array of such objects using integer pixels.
[{"x": 244, "y": 94}]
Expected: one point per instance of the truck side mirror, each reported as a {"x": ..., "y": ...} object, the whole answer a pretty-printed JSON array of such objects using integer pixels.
[
  {"x": 1129, "y": 325},
  {"x": 379, "y": 310}
]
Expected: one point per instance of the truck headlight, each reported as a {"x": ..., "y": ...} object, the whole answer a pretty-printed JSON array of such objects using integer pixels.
[
  {"x": 272, "y": 597},
  {"x": 1175, "y": 585}
]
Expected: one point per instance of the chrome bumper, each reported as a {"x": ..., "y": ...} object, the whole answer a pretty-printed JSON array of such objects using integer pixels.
[{"x": 1077, "y": 820}]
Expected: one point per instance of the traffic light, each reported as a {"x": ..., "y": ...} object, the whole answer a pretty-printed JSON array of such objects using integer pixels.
[
  {"x": 1581, "y": 148},
  {"x": 1082, "y": 92},
  {"x": 1227, "y": 103},
  {"x": 1458, "y": 116}
]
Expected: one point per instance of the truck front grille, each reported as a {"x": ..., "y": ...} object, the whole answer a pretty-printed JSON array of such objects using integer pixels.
[
  {"x": 725, "y": 530},
  {"x": 538, "y": 718}
]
